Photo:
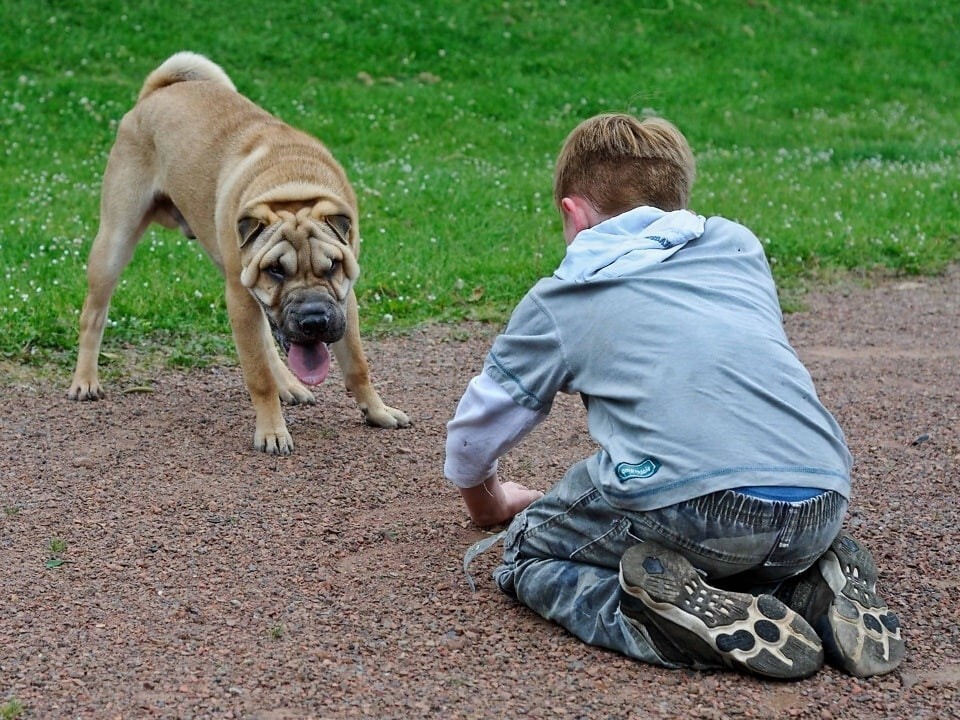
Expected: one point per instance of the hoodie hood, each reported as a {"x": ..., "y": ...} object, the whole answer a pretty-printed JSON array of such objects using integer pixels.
[{"x": 628, "y": 242}]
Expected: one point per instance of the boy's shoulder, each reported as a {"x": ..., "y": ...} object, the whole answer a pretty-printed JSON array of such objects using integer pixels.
[
  {"x": 721, "y": 228},
  {"x": 717, "y": 222}
]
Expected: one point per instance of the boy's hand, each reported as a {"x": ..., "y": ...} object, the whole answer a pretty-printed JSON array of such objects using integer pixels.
[{"x": 495, "y": 503}]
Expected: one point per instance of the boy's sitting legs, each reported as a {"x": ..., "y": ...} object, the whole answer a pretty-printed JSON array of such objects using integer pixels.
[
  {"x": 694, "y": 624},
  {"x": 837, "y": 596}
]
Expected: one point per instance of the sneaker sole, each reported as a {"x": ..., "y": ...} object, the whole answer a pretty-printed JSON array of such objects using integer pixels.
[
  {"x": 758, "y": 634},
  {"x": 859, "y": 632}
]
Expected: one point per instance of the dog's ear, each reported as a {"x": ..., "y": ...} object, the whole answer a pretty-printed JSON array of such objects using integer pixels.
[
  {"x": 249, "y": 228},
  {"x": 341, "y": 226}
]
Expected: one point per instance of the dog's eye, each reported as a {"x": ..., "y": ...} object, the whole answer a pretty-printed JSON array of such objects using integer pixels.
[
  {"x": 276, "y": 272},
  {"x": 334, "y": 268}
]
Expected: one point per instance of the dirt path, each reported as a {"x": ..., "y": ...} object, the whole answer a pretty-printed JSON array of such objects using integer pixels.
[{"x": 203, "y": 580}]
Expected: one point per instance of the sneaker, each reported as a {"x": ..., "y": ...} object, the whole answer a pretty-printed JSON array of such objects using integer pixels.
[
  {"x": 838, "y": 597},
  {"x": 712, "y": 627}
]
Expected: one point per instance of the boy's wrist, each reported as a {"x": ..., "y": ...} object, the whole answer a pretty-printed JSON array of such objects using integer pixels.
[
  {"x": 495, "y": 503},
  {"x": 486, "y": 502}
]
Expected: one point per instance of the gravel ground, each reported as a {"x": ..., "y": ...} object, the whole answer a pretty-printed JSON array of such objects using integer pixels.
[{"x": 204, "y": 580}]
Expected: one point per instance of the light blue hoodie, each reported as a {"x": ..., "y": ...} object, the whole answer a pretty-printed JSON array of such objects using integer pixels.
[{"x": 669, "y": 327}]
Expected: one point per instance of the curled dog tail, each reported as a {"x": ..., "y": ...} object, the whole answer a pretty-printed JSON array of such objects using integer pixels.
[{"x": 182, "y": 67}]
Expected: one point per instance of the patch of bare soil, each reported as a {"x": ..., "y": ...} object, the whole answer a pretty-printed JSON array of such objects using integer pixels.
[{"x": 200, "y": 579}]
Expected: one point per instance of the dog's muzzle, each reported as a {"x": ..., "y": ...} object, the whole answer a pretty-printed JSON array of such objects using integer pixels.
[
  {"x": 305, "y": 331},
  {"x": 315, "y": 320}
]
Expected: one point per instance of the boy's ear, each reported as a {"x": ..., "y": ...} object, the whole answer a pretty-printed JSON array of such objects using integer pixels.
[
  {"x": 578, "y": 214},
  {"x": 568, "y": 205}
]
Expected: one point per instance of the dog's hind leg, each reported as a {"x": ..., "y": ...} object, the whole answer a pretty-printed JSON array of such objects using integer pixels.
[{"x": 125, "y": 212}]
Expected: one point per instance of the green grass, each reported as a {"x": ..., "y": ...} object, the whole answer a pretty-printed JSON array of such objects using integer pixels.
[
  {"x": 56, "y": 546},
  {"x": 11, "y": 709},
  {"x": 831, "y": 129}
]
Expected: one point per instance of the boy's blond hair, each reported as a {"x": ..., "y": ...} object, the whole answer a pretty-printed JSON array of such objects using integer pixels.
[{"x": 617, "y": 162}]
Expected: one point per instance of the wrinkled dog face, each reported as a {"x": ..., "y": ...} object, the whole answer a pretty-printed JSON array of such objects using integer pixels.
[{"x": 300, "y": 268}]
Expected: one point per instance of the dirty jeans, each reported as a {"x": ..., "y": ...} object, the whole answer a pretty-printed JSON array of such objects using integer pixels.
[{"x": 561, "y": 555}]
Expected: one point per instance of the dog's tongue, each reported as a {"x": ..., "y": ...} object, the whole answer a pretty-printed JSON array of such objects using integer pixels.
[{"x": 310, "y": 363}]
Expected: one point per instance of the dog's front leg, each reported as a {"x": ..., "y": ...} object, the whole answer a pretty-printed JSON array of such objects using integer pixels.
[
  {"x": 254, "y": 342},
  {"x": 356, "y": 374}
]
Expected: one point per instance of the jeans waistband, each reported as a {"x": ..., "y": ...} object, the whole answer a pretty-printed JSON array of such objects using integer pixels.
[
  {"x": 787, "y": 494},
  {"x": 732, "y": 504}
]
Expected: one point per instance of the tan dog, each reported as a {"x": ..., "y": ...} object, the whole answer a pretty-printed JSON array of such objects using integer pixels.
[{"x": 272, "y": 208}]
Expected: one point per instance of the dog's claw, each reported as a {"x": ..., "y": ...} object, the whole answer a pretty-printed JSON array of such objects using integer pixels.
[
  {"x": 86, "y": 392},
  {"x": 294, "y": 395},
  {"x": 385, "y": 417},
  {"x": 273, "y": 443}
]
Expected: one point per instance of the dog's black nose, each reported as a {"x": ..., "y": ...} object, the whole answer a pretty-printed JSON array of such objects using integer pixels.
[{"x": 313, "y": 318}]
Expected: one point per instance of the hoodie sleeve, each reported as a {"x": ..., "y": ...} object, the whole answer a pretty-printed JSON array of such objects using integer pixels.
[{"x": 487, "y": 425}]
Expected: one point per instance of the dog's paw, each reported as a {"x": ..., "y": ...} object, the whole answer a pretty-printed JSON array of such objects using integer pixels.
[
  {"x": 385, "y": 417},
  {"x": 297, "y": 394},
  {"x": 84, "y": 390},
  {"x": 277, "y": 442}
]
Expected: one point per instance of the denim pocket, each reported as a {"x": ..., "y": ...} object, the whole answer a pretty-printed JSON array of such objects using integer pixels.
[
  {"x": 513, "y": 536},
  {"x": 606, "y": 549}
]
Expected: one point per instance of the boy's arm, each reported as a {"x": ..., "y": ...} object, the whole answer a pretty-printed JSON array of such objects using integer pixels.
[
  {"x": 495, "y": 503},
  {"x": 487, "y": 424}
]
